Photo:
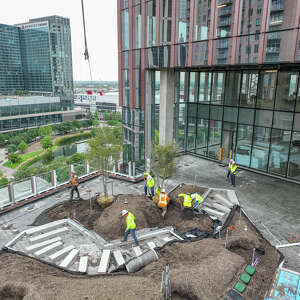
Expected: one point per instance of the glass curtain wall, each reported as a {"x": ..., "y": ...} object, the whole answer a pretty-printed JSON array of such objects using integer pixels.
[{"x": 256, "y": 114}]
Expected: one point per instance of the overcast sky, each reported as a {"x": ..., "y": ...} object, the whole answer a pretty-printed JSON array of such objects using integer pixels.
[{"x": 101, "y": 22}]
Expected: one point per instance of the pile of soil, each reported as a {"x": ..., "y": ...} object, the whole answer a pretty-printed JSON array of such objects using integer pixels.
[
  {"x": 79, "y": 210},
  {"x": 201, "y": 270},
  {"x": 12, "y": 291},
  {"x": 111, "y": 225}
]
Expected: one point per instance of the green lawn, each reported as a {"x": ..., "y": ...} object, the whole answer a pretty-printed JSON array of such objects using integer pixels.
[{"x": 23, "y": 158}]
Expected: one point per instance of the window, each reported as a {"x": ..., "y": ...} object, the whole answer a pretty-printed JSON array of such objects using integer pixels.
[
  {"x": 258, "y": 21},
  {"x": 257, "y": 35},
  {"x": 266, "y": 89},
  {"x": 248, "y": 50},
  {"x": 256, "y": 48},
  {"x": 259, "y": 9}
]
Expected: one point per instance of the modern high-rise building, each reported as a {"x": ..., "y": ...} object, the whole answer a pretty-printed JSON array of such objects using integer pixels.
[
  {"x": 218, "y": 77},
  {"x": 37, "y": 57}
]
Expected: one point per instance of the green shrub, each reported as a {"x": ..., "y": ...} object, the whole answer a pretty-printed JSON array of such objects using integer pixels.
[
  {"x": 14, "y": 157},
  {"x": 48, "y": 157},
  {"x": 114, "y": 123},
  {"x": 76, "y": 158},
  {"x": 11, "y": 148},
  {"x": 67, "y": 140}
]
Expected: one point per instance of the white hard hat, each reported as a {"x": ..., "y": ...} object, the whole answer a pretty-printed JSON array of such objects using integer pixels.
[
  {"x": 149, "y": 177},
  {"x": 124, "y": 212},
  {"x": 233, "y": 162},
  {"x": 163, "y": 190},
  {"x": 193, "y": 196}
]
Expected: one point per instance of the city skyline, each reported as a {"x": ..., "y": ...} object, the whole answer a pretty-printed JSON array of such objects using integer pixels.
[{"x": 104, "y": 60}]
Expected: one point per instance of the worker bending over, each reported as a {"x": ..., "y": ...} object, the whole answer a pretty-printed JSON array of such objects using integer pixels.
[
  {"x": 229, "y": 169},
  {"x": 130, "y": 225},
  {"x": 197, "y": 200},
  {"x": 149, "y": 184},
  {"x": 233, "y": 173},
  {"x": 162, "y": 201},
  {"x": 187, "y": 204}
]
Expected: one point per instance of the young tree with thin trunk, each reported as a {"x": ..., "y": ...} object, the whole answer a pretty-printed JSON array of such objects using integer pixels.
[
  {"x": 163, "y": 163},
  {"x": 104, "y": 152}
]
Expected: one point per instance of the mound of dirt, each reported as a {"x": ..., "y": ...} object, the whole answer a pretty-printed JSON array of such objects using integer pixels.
[{"x": 111, "y": 224}]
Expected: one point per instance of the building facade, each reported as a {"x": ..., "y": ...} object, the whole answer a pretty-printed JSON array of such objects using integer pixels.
[
  {"x": 37, "y": 57},
  {"x": 219, "y": 77}
]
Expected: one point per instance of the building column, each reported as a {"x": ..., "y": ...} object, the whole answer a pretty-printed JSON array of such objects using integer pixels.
[{"x": 166, "y": 113}]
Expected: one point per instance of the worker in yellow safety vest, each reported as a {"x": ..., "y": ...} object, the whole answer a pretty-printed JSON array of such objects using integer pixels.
[
  {"x": 130, "y": 225},
  {"x": 149, "y": 184},
  {"x": 197, "y": 199},
  {"x": 163, "y": 201},
  {"x": 187, "y": 204},
  {"x": 74, "y": 185},
  {"x": 233, "y": 172},
  {"x": 229, "y": 169}
]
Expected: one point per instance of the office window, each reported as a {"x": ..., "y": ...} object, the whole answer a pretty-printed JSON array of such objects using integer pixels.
[
  {"x": 150, "y": 23},
  {"x": 259, "y": 9},
  {"x": 266, "y": 89},
  {"x": 258, "y": 21},
  {"x": 249, "y": 89},
  {"x": 256, "y": 48}
]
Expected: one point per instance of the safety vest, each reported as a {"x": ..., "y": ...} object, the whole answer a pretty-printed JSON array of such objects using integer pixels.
[
  {"x": 74, "y": 181},
  {"x": 157, "y": 191},
  {"x": 163, "y": 200},
  {"x": 230, "y": 165},
  {"x": 150, "y": 182},
  {"x": 233, "y": 169},
  {"x": 130, "y": 224},
  {"x": 187, "y": 200},
  {"x": 198, "y": 200}
]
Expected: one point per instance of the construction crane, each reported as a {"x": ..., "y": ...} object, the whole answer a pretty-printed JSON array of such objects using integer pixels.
[{"x": 87, "y": 57}]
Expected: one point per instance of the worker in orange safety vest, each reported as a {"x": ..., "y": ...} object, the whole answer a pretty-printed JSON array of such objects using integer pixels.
[
  {"x": 163, "y": 201},
  {"x": 74, "y": 185}
]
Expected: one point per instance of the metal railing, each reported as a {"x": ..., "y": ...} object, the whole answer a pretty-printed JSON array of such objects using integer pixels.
[{"x": 34, "y": 186}]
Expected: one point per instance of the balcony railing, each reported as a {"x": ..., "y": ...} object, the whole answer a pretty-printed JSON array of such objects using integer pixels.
[
  {"x": 225, "y": 11},
  {"x": 274, "y": 36},
  {"x": 224, "y": 23},
  {"x": 273, "y": 49},
  {"x": 223, "y": 44},
  {"x": 277, "y": 7},
  {"x": 222, "y": 2}
]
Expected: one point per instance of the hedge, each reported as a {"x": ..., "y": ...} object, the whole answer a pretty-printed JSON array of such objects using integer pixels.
[{"x": 67, "y": 140}]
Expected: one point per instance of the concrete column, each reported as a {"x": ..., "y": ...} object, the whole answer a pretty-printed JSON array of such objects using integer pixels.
[
  {"x": 166, "y": 114},
  {"x": 86, "y": 167},
  {"x": 33, "y": 185},
  {"x": 53, "y": 178},
  {"x": 11, "y": 194}
]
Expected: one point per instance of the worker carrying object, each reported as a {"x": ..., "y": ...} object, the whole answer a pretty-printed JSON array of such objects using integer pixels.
[
  {"x": 163, "y": 201},
  {"x": 187, "y": 204},
  {"x": 197, "y": 199},
  {"x": 233, "y": 172},
  {"x": 74, "y": 185},
  {"x": 130, "y": 225},
  {"x": 229, "y": 169},
  {"x": 149, "y": 184}
]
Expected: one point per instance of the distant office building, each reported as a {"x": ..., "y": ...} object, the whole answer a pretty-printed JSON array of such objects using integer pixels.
[
  {"x": 105, "y": 103},
  {"x": 20, "y": 112},
  {"x": 37, "y": 57},
  {"x": 11, "y": 70},
  {"x": 218, "y": 77}
]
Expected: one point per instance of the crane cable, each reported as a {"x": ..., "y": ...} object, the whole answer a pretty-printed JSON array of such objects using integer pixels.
[{"x": 86, "y": 52}]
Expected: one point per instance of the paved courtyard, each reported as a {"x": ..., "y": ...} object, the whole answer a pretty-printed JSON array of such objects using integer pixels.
[{"x": 273, "y": 202}]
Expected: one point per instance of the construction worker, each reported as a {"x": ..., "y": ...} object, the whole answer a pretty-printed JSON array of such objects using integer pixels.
[
  {"x": 149, "y": 184},
  {"x": 130, "y": 225},
  {"x": 229, "y": 169},
  {"x": 187, "y": 204},
  {"x": 74, "y": 185},
  {"x": 197, "y": 200},
  {"x": 163, "y": 201},
  {"x": 158, "y": 190},
  {"x": 233, "y": 173}
]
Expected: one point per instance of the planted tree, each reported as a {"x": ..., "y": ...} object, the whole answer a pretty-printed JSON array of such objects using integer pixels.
[
  {"x": 163, "y": 162},
  {"x": 45, "y": 131},
  {"x": 22, "y": 146},
  {"x": 104, "y": 152},
  {"x": 11, "y": 148},
  {"x": 14, "y": 157},
  {"x": 46, "y": 142}
]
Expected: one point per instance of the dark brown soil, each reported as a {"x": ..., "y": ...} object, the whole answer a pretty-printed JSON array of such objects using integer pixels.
[
  {"x": 79, "y": 210},
  {"x": 201, "y": 270}
]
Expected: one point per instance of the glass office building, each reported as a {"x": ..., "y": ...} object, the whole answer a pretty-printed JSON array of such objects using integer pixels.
[
  {"x": 37, "y": 57},
  {"x": 220, "y": 78},
  {"x": 11, "y": 71}
]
